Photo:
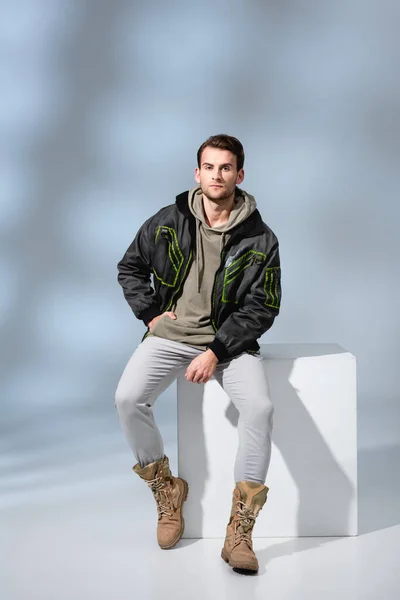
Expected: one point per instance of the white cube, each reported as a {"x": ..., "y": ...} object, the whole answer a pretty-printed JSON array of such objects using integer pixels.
[{"x": 313, "y": 471}]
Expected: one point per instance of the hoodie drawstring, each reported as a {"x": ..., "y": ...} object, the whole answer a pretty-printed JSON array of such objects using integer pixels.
[{"x": 198, "y": 252}]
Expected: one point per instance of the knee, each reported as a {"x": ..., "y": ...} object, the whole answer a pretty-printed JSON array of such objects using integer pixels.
[
  {"x": 263, "y": 413},
  {"x": 125, "y": 401}
]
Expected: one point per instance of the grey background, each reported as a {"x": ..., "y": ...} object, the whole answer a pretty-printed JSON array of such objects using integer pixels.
[{"x": 102, "y": 109}]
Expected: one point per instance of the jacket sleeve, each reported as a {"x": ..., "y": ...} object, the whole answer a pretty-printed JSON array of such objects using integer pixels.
[
  {"x": 256, "y": 315},
  {"x": 134, "y": 275}
]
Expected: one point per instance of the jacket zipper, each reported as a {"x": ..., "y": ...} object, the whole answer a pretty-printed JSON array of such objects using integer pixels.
[
  {"x": 214, "y": 290},
  {"x": 180, "y": 284}
]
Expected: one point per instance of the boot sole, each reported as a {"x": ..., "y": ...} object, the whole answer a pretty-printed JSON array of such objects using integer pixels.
[
  {"x": 182, "y": 529},
  {"x": 236, "y": 565}
]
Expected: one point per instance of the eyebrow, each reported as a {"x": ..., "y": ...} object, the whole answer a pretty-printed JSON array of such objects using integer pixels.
[{"x": 223, "y": 165}]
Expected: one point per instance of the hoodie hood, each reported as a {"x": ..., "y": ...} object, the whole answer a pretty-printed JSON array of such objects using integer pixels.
[{"x": 244, "y": 206}]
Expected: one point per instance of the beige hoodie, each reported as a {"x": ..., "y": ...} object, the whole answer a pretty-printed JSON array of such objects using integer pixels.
[{"x": 193, "y": 308}]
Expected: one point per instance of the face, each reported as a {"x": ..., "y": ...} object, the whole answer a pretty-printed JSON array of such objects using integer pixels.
[{"x": 218, "y": 175}]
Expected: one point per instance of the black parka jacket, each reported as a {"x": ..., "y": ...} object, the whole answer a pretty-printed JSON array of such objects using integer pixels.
[{"x": 247, "y": 287}]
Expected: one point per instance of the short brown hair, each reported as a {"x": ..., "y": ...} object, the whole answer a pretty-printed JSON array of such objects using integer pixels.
[{"x": 223, "y": 142}]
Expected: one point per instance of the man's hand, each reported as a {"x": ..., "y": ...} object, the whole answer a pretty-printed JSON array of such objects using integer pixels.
[
  {"x": 202, "y": 367},
  {"x": 151, "y": 323}
]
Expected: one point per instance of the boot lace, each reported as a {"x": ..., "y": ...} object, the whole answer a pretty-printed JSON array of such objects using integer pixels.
[
  {"x": 161, "y": 495},
  {"x": 246, "y": 517}
]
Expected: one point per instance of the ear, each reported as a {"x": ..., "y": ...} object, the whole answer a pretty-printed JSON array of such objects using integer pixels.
[
  {"x": 197, "y": 175},
  {"x": 240, "y": 176}
]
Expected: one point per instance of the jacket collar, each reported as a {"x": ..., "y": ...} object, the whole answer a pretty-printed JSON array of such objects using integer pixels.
[{"x": 251, "y": 226}]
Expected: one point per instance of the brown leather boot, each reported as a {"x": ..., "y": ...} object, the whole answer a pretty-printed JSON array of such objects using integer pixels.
[
  {"x": 248, "y": 499},
  {"x": 170, "y": 493}
]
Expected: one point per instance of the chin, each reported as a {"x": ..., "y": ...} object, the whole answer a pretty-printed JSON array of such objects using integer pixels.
[
  {"x": 216, "y": 197},
  {"x": 218, "y": 192}
]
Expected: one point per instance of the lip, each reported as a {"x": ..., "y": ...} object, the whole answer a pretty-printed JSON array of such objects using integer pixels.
[{"x": 214, "y": 185}]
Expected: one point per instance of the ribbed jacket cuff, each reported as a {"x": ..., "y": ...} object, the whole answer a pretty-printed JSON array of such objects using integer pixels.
[
  {"x": 219, "y": 349},
  {"x": 149, "y": 314}
]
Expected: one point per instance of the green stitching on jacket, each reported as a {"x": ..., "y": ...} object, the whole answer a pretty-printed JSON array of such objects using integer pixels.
[
  {"x": 174, "y": 252},
  {"x": 271, "y": 287},
  {"x": 242, "y": 258},
  {"x": 179, "y": 287},
  {"x": 235, "y": 268}
]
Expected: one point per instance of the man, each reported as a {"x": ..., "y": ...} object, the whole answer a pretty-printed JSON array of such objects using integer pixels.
[{"x": 215, "y": 290}]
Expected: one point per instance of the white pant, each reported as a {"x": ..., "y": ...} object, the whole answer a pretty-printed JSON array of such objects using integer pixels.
[{"x": 155, "y": 364}]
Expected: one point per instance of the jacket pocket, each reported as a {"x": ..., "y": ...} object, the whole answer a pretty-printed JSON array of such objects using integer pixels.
[
  {"x": 168, "y": 258},
  {"x": 236, "y": 283}
]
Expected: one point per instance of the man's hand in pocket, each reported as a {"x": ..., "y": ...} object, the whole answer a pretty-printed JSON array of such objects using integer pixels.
[{"x": 151, "y": 323}]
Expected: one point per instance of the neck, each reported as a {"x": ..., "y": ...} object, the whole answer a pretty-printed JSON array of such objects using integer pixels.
[{"x": 217, "y": 213}]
